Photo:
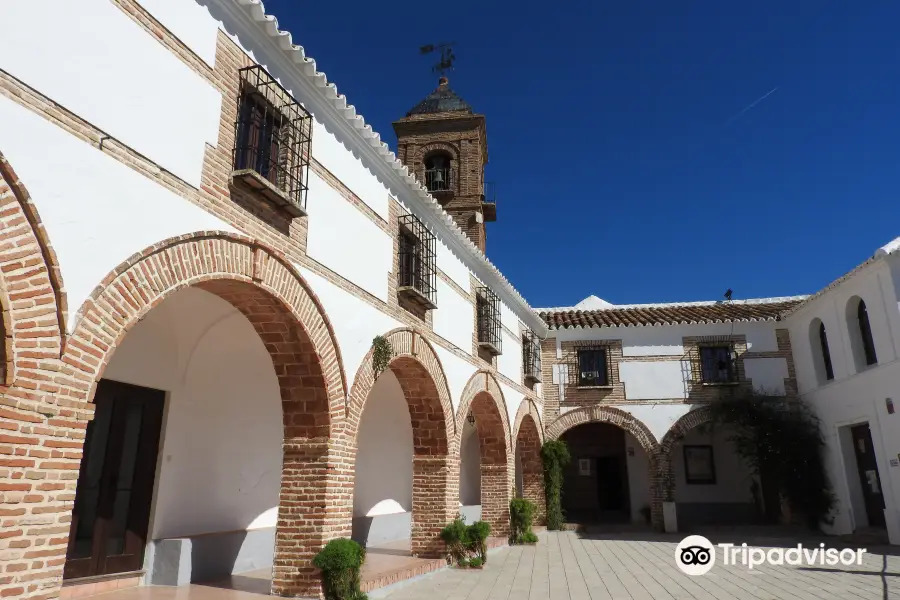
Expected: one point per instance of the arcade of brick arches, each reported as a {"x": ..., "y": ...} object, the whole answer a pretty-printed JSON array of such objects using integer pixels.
[{"x": 53, "y": 383}]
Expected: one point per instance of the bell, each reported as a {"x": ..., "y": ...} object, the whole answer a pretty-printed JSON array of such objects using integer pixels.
[{"x": 439, "y": 177}]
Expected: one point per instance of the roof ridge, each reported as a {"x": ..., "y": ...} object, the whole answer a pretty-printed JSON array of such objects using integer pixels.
[
  {"x": 307, "y": 68},
  {"x": 746, "y": 301}
]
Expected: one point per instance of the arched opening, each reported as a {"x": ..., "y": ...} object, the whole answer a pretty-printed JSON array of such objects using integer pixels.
[
  {"x": 438, "y": 172},
  {"x": 529, "y": 469},
  {"x": 383, "y": 480},
  {"x": 821, "y": 353},
  {"x": 492, "y": 459},
  {"x": 401, "y": 493},
  {"x": 706, "y": 478},
  {"x": 862, "y": 343},
  {"x": 470, "y": 471},
  {"x": 608, "y": 480},
  {"x": 184, "y": 468}
]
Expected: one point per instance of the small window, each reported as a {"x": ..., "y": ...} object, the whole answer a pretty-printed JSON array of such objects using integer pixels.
[
  {"x": 438, "y": 174},
  {"x": 487, "y": 305},
  {"x": 699, "y": 465},
  {"x": 592, "y": 367},
  {"x": 717, "y": 364},
  {"x": 272, "y": 141},
  {"x": 826, "y": 353},
  {"x": 417, "y": 275},
  {"x": 865, "y": 332},
  {"x": 531, "y": 356}
]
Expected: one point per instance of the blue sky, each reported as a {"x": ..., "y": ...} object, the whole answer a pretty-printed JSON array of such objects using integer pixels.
[{"x": 625, "y": 161}]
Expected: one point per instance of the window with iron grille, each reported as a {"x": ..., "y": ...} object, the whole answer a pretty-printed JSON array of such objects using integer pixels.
[
  {"x": 272, "y": 141},
  {"x": 417, "y": 276},
  {"x": 718, "y": 363},
  {"x": 531, "y": 356},
  {"x": 489, "y": 332},
  {"x": 591, "y": 367}
]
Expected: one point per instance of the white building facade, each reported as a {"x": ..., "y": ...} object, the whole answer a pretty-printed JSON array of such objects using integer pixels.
[{"x": 236, "y": 326}]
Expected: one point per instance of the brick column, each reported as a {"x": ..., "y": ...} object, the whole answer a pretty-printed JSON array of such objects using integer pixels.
[
  {"x": 434, "y": 503},
  {"x": 495, "y": 497}
]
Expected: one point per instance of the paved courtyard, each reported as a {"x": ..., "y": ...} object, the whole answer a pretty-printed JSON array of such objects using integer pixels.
[{"x": 569, "y": 566}]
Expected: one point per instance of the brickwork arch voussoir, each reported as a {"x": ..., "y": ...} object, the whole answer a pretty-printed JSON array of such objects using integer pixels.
[
  {"x": 32, "y": 296},
  {"x": 200, "y": 259},
  {"x": 479, "y": 382},
  {"x": 605, "y": 414},
  {"x": 527, "y": 408},
  {"x": 406, "y": 343},
  {"x": 684, "y": 424}
]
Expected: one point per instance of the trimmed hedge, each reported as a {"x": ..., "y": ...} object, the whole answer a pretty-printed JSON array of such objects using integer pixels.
[
  {"x": 340, "y": 561},
  {"x": 521, "y": 516},
  {"x": 555, "y": 456}
]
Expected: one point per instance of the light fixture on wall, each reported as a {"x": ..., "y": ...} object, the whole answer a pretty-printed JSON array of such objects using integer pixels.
[
  {"x": 889, "y": 404},
  {"x": 471, "y": 419}
]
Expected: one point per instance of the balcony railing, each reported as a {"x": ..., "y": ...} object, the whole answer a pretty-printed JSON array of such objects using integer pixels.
[
  {"x": 439, "y": 180},
  {"x": 531, "y": 357},
  {"x": 417, "y": 274},
  {"x": 489, "y": 328},
  {"x": 489, "y": 201},
  {"x": 272, "y": 141}
]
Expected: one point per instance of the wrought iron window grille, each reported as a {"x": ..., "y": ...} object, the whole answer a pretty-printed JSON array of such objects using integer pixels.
[
  {"x": 489, "y": 328},
  {"x": 531, "y": 356},
  {"x": 590, "y": 366},
  {"x": 272, "y": 136},
  {"x": 717, "y": 363},
  {"x": 417, "y": 274}
]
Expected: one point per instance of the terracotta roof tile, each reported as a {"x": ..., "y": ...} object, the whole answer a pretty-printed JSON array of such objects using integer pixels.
[{"x": 668, "y": 314}]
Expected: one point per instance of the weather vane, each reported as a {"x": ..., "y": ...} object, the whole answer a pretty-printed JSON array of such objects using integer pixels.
[{"x": 447, "y": 56}]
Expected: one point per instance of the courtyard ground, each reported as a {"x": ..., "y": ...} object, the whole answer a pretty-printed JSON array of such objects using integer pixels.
[{"x": 604, "y": 566}]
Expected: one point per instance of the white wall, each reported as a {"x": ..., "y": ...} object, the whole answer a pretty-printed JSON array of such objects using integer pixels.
[
  {"x": 341, "y": 162},
  {"x": 91, "y": 58},
  {"x": 190, "y": 22},
  {"x": 510, "y": 361},
  {"x": 457, "y": 371},
  {"x": 355, "y": 323},
  {"x": 97, "y": 211},
  {"x": 346, "y": 241},
  {"x": 220, "y": 453},
  {"x": 733, "y": 476},
  {"x": 384, "y": 470},
  {"x": 667, "y": 340},
  {"x": 513, "y": 399},
  {"x": 452, "y": 267},
  {"x": 454, "y": 319},
  {"x": 767, "y": 374},
  {"x": 654, "y": 380},
  {"x": 469, "y": 467}
]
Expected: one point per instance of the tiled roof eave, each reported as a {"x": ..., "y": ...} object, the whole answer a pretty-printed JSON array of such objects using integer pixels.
[{"x": 391, "y": 168}]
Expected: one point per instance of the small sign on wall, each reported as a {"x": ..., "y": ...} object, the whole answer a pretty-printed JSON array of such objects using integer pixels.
[
  {"x": 895, "y": 462},
  {"x": 584, "y": 466}
]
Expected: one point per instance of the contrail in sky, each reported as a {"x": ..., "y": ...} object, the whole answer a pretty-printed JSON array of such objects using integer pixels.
[{"x": 752, "y": 104}]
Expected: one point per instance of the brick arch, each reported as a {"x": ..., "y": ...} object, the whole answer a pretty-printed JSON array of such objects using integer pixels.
[
  {"x": 294, "y": 330},
  {"x": 483, "y": 398},
  {"x": 423, "y": 151},
  {"x": 421, "y": 376},
  {"x": 604, "y": 414},
  {"x": 682, "y": 426},
  {"x": 32, "y": 296},
  {"x": 528, "y": 436}
]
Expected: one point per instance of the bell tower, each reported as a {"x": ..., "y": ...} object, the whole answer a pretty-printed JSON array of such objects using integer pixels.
[{"x": 444, "y": 142}]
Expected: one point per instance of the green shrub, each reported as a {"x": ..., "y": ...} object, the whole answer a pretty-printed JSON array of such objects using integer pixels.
[
  {"x": 521, "y": 516},
  {"x": 555, "y": 456},
  {"x": 475, "y": 562},
  {"x": 782, "y": 442},
  {"x": 529, "y": 537},
  {"x": 478, "y": 533},
  {"x": 456, "y": 537},
  {"x": 340, "y": 561}
]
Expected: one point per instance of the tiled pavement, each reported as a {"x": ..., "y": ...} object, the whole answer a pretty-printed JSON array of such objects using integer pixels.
[{"x": 569, "y": 566}]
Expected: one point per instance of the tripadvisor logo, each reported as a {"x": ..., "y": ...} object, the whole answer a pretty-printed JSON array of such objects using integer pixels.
[{"x": 696, "y": 555}]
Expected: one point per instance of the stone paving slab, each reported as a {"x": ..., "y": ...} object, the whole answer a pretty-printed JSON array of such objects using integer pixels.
[{"x": 572, "y": 566}]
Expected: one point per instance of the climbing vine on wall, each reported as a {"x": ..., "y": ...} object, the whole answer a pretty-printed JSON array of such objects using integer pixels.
[
  {"x": 555, "y": 456},
  {"x": 382, "y": 352}
]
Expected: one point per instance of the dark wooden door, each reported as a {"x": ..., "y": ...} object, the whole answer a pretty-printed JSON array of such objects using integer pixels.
[
  {"x": 610, "y": 483},
  {"x": 115, "y": 483},
  {"x": 868, "y": 474}
]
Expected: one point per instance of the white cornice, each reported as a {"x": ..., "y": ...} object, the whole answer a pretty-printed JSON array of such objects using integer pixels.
[{"x": 323, "y": 100}]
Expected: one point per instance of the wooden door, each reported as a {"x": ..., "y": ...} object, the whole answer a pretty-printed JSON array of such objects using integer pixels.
[
  {"x": 115, "y": 483},
  {"x": 868, "y": 474}
]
